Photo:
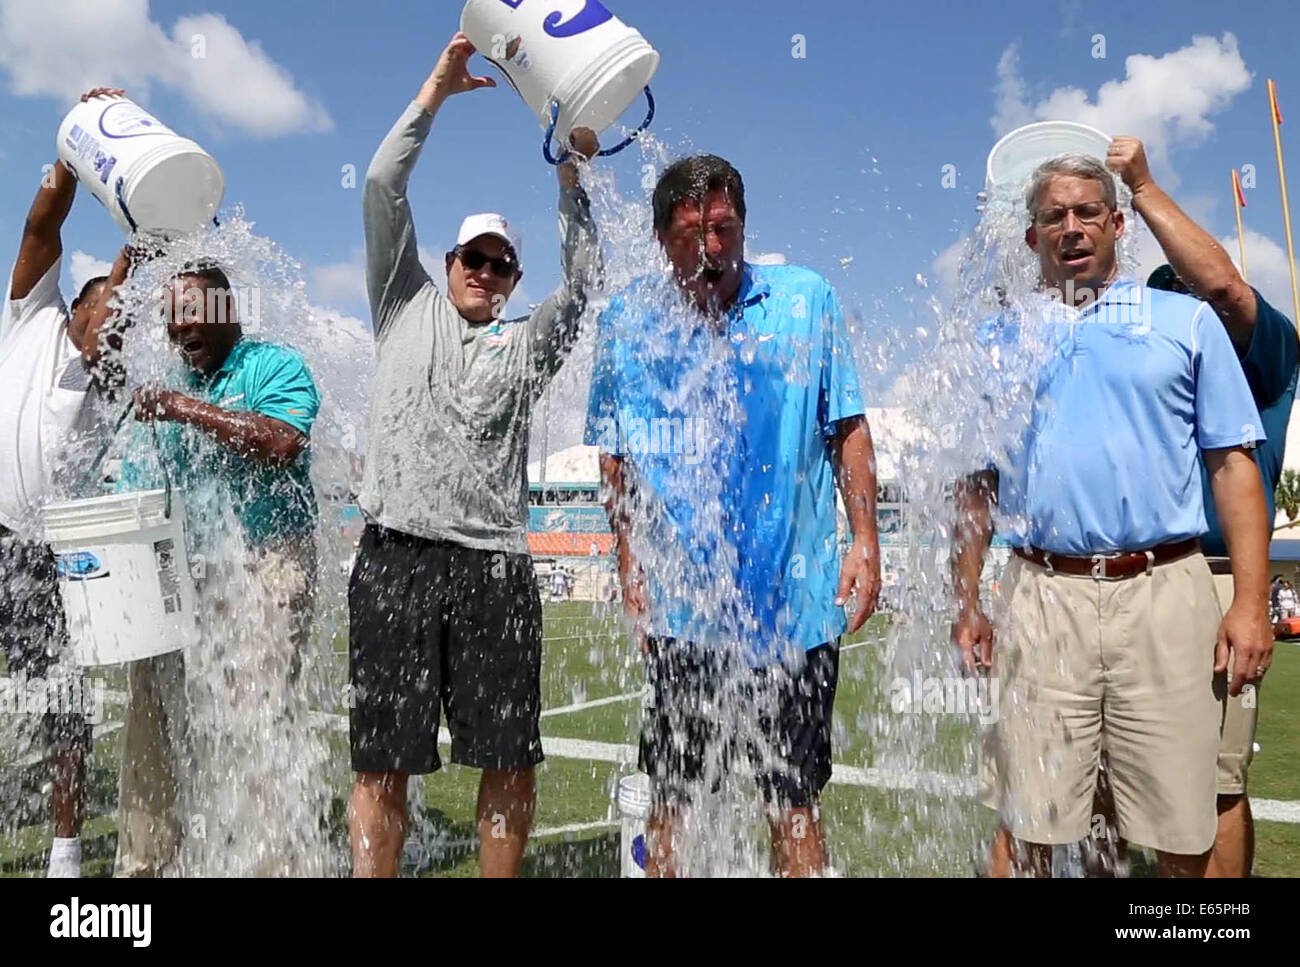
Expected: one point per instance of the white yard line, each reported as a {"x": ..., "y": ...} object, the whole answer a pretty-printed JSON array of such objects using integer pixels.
[{"x": 594, "y": 703}]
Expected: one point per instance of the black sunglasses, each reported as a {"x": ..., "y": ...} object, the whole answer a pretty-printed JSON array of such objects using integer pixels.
[{"x": 503, "y": 267}]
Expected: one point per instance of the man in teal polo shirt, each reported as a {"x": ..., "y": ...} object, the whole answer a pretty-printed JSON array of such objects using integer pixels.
[{"x": 235, "y": 437}]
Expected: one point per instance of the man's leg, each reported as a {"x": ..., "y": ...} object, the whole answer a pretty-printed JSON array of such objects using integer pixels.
[
  {"x": 1182, "y": 865},
  {"x": 660, "y": 830},
  {"x": 377, "y": 823},
  {"x": 798, "y": 843},
  {"x": 506, "y": 798},
  {"x": 149, "y": 828},
  {"x": 795, "y": 708},
  {"x": 395, "y": 601},
  {"x": 1234, "y": 841},
  {"x": 1233, "y": 854},
  {"x": 1163, "y": 709},
  {"x": 1009, "y": 857},
  {"x": 493, "y": 693}
]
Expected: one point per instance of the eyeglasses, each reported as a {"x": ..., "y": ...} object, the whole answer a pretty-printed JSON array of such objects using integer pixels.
[
  {"x": 1089, "y": 213},
  {"x": 503, "y": 267}
]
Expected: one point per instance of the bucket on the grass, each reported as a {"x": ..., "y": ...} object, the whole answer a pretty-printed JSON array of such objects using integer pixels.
[
  {"x": 633, "y": 797},
  {"x": 146, "y": 175},
  {"x": 1014, "y": 158},
  {"x": 123, "y": 575},
  {"x": 575, "y": 53}
]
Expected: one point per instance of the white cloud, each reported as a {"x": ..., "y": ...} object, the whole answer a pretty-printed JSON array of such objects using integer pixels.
[
  {"x": 339, "y": 283},
  {"x": 946, "y": 266},
  {"x": 765, "y": 258},
  {"x": 1163, "y": 99},
  {"x": 61, "y": 49},
  {"x": 82, "y": 267}
]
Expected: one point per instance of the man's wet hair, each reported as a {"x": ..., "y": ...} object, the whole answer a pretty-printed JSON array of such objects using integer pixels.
[
  {"x": 85, "y": 290},
  {"x": 692, "y": 179},
  {"x": 209, "y": 273}
]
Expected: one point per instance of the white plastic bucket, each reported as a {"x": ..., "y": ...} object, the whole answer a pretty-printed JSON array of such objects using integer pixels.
[
  {"x": 572, "y": 51},
  {"x": 124, "y": 575},
  {"x": 146, "y": 175},
  {"x": 1014, "y": 158},
  {"x": 633, "y": 796}
]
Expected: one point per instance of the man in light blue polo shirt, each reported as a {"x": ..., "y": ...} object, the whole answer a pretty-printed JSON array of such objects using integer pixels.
[
  {"x": 235, "y": 439},
  {"x": 726, "y": 406},
  {"x": 1107, "y": 615}
]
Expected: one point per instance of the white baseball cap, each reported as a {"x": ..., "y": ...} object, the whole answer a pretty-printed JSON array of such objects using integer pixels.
[{"x": 491, "y": 224}]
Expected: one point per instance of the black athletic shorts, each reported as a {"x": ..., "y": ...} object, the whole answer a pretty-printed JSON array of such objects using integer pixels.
[
  {"x": 34, "y": 635},
  {"x": 708, "y": 703},
  {"x": 435, "y": 624}
]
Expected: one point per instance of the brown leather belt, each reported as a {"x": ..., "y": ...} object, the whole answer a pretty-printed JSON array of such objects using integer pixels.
[{"x": 1111, "y": 567}]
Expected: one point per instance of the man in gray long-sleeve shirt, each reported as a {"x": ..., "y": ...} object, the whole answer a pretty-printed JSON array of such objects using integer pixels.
[{"x": 443, "y": 601}]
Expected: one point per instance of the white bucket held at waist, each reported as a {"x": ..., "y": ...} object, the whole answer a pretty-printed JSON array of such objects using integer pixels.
[
  {"x": 123, "y": 575},
  {"x": 146, "y": 175},
  {"x": 633, "y": 797},
  {"x": 572, "y": 51}
]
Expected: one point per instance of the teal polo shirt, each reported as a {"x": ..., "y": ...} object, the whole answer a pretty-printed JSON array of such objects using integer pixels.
[{"x": 270, "y": 503}]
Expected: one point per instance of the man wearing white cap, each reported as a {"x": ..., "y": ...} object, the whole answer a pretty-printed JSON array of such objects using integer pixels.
[{"x": 443, "y": 600}]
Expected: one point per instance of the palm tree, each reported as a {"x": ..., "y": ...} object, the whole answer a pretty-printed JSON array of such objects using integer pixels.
[{"x": 1287, "y": 496}]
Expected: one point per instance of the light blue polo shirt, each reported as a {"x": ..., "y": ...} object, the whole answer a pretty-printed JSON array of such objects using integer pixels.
[
  {"x": 270, "y": 503},
  {"x": 755, "y": 500},
  {"x": 1132, "y": 389}
]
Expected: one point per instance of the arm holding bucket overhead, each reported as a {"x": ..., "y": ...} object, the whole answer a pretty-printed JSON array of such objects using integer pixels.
[
  {"x": 393, "y": 270},
  {"x": 42, "y": 241},
  {"x": 1198, "y": 260},
  {"x": 553, "y": 327}
]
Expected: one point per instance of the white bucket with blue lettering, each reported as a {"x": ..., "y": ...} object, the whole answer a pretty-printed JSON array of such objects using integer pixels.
[
  {"x": 572, "y": 52},
  {"x": 633, "y": 796},
  {"x": 146, "y": 175},
  {"x": 124, "y": 575}
]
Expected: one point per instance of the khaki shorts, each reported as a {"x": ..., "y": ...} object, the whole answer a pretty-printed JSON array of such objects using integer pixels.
[
  {"x": 1127, "y": 663},
  {"x": 1241, "y": 718}
]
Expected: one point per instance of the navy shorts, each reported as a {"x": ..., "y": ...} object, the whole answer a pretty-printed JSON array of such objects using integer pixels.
[{"x": 708, "y": 705}]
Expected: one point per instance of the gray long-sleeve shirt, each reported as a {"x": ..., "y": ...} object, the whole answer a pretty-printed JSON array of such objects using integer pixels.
[{"x": 448, "y": 447}]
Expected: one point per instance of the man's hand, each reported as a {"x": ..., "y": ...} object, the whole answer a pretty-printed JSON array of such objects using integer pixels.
[
  {"x": 1245, "y": 632},
  {"x": 1128, "y": 159},
  {"x": 103, "y": 92},
  {"x": 584, "y": 145},
  {"x": 859, "y": 579},
  {"x": 156, "y": 403},
  {"x": 972, "y": 632},
  {"x": 451, "y": 75}
]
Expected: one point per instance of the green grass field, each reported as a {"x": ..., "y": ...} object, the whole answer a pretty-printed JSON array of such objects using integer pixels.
[{"x": 872, "y": 831}]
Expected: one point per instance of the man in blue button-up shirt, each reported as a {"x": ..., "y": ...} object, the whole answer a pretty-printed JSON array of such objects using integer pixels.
[{"x": 1107, "y": 616}]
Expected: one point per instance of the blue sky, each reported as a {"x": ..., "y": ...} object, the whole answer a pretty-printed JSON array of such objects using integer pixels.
[{"x": 842, "y": 151}]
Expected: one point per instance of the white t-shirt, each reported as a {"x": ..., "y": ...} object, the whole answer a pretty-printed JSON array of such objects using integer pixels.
[{"x": 43, "y": 396}]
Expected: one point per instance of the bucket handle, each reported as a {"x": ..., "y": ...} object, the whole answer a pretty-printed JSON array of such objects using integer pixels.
[
  {"x": 121, "y": 203},
  {"x": 162, "y": 462},
  {"x": 564, "y": 155}
]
